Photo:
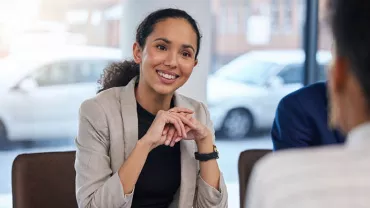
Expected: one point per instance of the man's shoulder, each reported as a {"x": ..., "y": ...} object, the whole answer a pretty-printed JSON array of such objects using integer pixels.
[
  {"x": 290, "y": 162},
  {"x": 325, "y": 173},
  {"x": 314, "y": 91}
]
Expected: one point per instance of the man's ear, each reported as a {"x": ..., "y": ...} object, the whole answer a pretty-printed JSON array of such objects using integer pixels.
[
  {"x": 137, "y": 52},
  {"x": 196, "y": 62},
  {"x": 339, "y": 73}
]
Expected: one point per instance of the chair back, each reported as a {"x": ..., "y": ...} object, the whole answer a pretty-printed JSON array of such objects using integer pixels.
[
  {"x": 247, "y": 160},
  {"x": 44, "y": 180}
]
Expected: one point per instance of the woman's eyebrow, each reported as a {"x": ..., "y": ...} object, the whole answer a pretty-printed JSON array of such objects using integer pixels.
[{"x": 169, "y": 42}]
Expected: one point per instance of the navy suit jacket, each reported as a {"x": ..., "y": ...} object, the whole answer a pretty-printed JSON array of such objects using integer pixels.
[{"x": 301, "y": 120}]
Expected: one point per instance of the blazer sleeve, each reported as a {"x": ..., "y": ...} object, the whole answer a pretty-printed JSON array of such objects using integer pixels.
[
  {"x": 96, "y": 184},
  {"x": 206, "y": 195},
  {"x": 292, "y": 127}
]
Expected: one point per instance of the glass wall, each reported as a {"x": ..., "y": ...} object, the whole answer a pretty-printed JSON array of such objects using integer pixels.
[
  {"x": 257, "y": 59},
  {"x": 53, "y": 52}
]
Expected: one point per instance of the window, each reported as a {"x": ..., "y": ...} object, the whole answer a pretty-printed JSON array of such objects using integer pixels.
[
  {"x": 233, "y": 20},
  {"x": 275, "y": 15},
  {"x": 292, "y": 74},
  {"x": 249, "y": 72},
  {"x": 229, "y": 20},
  {"x": 325, "y": 37},
  {"x": 323, "y": 72},
  {"x": 54, "y": 74},
  {"x": 287, "y": 16},
  {"x": 282, "y": 15},
  {"x": 242, "y": 85},
  {"x": 223, "y": 21},
  {"x": 83, "y": 71},
  {"x": 89, "y": 71}
]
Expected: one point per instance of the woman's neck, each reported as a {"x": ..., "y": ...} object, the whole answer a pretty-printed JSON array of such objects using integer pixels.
[{"x": 151, "y": 100}]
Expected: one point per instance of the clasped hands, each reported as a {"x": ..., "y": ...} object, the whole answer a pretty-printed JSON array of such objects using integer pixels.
[{"x": 170, "y": 127}]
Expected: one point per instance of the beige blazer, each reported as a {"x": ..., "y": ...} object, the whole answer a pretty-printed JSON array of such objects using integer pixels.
[{"x": 108, "y": 132}]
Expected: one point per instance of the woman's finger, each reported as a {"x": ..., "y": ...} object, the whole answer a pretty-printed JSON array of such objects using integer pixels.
[
  {"x": 178, "y": 139},
  {"x": 181, "y": 130},
  {"x": 163, "y": 139},
  {"x": 170, "y": 134},
  {"x": 175, "y": 136},
  {"x": 186, "y": 120},
  {"x": 187, "y": 129},
  {"x": 165, "y": 130},
  {"x": 189, "y": 116},
  {"x": 180, "y": 110},
  {"x": 173, "y": 139},
  {"x": 179, "y": 126}
]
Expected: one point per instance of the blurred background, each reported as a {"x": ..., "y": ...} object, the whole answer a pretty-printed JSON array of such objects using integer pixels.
[{"x": 52, "y": 53}]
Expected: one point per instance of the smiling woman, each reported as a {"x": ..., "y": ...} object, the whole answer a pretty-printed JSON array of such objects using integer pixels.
[
  {"x": 128, "y": 145},
  {"x": 158, "y": 44}
]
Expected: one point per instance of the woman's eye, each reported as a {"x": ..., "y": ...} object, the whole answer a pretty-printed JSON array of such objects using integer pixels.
[
  {"x": 186, "y": 54},
  {"x": 161, "y": 47}
]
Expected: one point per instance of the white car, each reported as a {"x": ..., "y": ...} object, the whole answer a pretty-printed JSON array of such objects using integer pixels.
[
  {"x": 41, "y": 91},
  {"x": 243, "y": 95}
]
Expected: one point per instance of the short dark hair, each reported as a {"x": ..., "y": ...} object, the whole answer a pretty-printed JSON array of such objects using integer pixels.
[
  {"x": 120, "y": 74},
  {"x": 349, "y": 20}
]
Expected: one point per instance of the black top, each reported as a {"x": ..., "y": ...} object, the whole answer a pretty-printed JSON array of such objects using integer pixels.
[{"x": 160, "y": 177}]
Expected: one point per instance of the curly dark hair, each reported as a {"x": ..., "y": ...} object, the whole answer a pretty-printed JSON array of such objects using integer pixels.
[
  {"x": 121, "y": 73},
  {"x": 118, "y": 74}
]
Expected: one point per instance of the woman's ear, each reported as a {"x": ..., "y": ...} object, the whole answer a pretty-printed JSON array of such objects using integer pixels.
[{"x": 137, "y": 53}]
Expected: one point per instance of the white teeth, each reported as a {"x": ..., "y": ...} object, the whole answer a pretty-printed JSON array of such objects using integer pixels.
[{"x": 167, "y": 76}]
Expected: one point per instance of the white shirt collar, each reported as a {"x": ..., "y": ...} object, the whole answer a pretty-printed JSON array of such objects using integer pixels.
[{"x": 359, "y": 136}]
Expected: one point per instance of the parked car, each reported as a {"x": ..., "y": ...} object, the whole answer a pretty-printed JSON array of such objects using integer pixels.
[
  {"x": 243, "y": 95},
  {"x": 41, "y": 92}
]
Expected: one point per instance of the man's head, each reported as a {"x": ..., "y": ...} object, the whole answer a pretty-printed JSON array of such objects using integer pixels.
[{"x": 349, "y": 76}]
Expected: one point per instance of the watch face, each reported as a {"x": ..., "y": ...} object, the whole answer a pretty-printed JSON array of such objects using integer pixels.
[{"x": 215, "y": 148}]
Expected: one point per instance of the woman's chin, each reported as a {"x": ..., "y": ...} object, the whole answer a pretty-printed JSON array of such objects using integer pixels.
[{"x": 164, "y": 89}]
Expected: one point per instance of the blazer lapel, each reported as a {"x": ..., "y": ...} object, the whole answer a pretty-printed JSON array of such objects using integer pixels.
[
  {"x": 129, "y": 117},
  {"x": 188, "y": 165}
]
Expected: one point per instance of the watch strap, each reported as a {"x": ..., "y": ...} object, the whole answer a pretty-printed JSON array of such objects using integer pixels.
[{"x": 207, "y": 156}]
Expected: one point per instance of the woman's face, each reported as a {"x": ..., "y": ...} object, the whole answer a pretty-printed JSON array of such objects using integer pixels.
[{"x": 168, "y": 57}]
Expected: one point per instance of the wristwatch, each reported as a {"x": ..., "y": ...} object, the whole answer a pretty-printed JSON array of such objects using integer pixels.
[{"x": 207, "y": 156}]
